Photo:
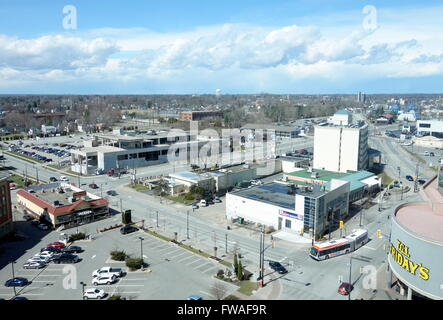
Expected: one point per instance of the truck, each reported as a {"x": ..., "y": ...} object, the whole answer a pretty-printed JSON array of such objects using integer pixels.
[{"x": 107, "y": 271}]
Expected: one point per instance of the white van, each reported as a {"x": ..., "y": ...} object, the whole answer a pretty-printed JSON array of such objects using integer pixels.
[{"x": 203, "y": 203}]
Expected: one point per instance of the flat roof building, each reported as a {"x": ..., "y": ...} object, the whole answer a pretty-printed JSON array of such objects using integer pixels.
[
  {"x": 269, "y": 131},
  {"x": 340, "y": 148},
  {"x": 6, "y": 223},
  {"x": 200, "y": 115}
]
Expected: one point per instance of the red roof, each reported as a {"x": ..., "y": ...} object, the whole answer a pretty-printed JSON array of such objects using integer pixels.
[{"x": 59, "y": 209}]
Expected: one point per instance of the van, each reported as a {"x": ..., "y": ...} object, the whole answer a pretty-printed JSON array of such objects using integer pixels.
[{"x": 203, "y": 203}]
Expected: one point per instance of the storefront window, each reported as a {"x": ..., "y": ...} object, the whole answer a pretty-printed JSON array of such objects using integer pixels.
[{"x": 288, "y": 224}]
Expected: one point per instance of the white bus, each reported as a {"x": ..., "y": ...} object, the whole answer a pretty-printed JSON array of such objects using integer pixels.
[{"x": 341, "y": 246}]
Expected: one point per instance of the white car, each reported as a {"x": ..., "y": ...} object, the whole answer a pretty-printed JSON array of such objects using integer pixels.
[
  {"x": 94, "y": 293},
  {"x": 45, "y": 254},
  {"x": 34, "y": 265},
  {"x": 38, "y": 258},
  {"x": 63, "y": 178},
  {"x": 107, "y": 279}
]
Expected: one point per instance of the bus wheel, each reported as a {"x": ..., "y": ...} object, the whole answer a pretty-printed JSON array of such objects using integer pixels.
[
  {"x": 327, "y": 256},
  {"x": 347, "y": 251}
]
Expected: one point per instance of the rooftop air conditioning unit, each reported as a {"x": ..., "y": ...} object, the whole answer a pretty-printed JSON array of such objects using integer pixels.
[{"x": 314, "y": 175}]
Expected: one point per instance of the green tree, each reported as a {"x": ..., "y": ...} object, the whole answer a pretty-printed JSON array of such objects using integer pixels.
[
  {"x": 240, "y": 271},
  {"x": 235, "y": 263}
]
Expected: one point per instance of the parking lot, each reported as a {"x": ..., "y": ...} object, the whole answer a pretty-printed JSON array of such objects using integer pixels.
[{"x": 174, "y": 272}]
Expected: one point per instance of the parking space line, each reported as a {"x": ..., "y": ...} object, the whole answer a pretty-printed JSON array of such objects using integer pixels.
[
  {"x": 204, "y": 264},
  {"x": 173, "y": 251},
  {"x": 210, "y": 271},
  {"x": 22, "y": 294},
  {"x": 33, "y": 281},
  {"x": 167, "y": 247},
  {"x": 181, "y": 254},
  {"x": 198, "y": 260},
  {"x": 132, "y": 279},
  {"x": 190, "y": 256}
]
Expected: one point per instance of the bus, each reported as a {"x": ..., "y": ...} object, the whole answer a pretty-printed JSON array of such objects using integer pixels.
[{"x": 341, "y": 246}]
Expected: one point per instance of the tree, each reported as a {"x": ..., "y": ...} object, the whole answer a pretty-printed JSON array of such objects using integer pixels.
[
  {"x": 235, "y": 263},
  {"x": 218, "y": 290},
  {"x": 240, "y": 271}
]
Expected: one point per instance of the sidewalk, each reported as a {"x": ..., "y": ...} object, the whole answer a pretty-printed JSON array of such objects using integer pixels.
[{"x": 271, "y": 291}]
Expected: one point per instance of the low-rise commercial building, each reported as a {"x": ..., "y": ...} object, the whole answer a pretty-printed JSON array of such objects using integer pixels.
[
  {"x": 430, "y": 128},
  {"x": 265, "y": 132},
  {"x": 62, "y": 204},
  {"x": 200, "y": 115},
  {"x": 6, "y": 223},
  {"x": 303, "y": 211}
]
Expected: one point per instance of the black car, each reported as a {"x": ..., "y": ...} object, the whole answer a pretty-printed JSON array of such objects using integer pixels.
[
  {"x": 65, "y": 258},
  {"x": 111, "y": 192},
  {"x": 128, "y": 229},
  {"x": 16, "y": 282},
  {"x": 53, "y": 179},
  {"x": 421, "y": 181},
  {"x": 35, "y": 222},
  {"x": 72, "y": 249},
  {"x": 276, "y": 266},
  {"x": 409, "y": 178},
  {"x": 51, "y": 249},
  {"x": 27, "y": 218}
]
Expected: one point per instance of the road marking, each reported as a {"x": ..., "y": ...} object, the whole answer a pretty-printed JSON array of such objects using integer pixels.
[
  {"x": 370, "y": 248},
  {"x": 198, "y": 260},
  {"x": 181, "y": 254},
  {"x": 167, "y": 248},
  {"x": 204, "y": 264},
  {"x": 190, "y": 256},
  {"x": 114, "y": 286},
  {"x": 27, "y": 294},
  {"x": 173, "y": 251},
  {"x": 132, "y": 279},
  {"x": 33, "y": 281},
  {"x": 93, "y": 256}
]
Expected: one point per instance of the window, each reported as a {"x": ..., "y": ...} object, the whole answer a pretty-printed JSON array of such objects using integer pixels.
[
  {"x": 287, "y": 223},
  {"x": 424, "y": 125}
]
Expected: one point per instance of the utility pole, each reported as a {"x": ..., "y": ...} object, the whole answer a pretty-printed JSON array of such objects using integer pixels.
[
  {"x": 187, "y": 224},
  {"x": 416, "y": 177},
  {"x": 226, "y": 243},
  {"x": 157, "y": 218},
  {"x": 141, "y": 247},
  {"x": 36, "y": 173},
  {"x": 350, "y": 273},
  {"x": 121, "y": 205},
  {"x": 13, "y": 277},
  {"x": 83, "y": 289}
]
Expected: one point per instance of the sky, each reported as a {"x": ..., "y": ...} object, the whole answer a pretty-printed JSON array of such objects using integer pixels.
[{"x": 242, "y": 46}]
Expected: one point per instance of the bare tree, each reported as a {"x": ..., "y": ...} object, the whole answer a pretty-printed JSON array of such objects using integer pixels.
[{"x": 218, "y": 290}]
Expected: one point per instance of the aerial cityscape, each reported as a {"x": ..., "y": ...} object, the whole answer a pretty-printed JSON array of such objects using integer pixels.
[{"x": 251, "y": 151}]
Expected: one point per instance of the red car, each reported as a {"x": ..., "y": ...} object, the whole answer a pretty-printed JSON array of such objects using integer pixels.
[
  {"x": 93, "y": 186},
  {"x": 56, "y": 245},
  {"x": 345, "y": 288}
]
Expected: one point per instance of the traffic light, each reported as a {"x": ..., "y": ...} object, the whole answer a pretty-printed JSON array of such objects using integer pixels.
[
  {"x": 378, "y": 233},
  {"x": 341, "y": 224}
]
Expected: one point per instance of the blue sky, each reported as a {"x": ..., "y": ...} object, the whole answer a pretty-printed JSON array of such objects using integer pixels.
[{"x": 278, "y": 46}]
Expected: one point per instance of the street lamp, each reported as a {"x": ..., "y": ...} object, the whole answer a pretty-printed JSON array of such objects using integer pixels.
[
  {"x": 350, "y": 272},
  {"x": 141, "y": 247},
  {"x": 13, "y": 277},
  {"x": 83, "y": 289}
]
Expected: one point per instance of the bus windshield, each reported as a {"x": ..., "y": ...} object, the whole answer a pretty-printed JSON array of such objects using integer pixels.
[{"x": 314, "y": 252}]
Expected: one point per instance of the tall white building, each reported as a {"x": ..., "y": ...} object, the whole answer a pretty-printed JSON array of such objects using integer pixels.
[{"x": 341, "y": 148}]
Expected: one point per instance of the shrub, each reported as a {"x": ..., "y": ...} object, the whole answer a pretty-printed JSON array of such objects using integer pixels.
[
  {"x": 118, "y": 255},
  {"x": 116, "y": 297},
  {"x": 77, "y": 236},
  {"x": 220, "y": 272},
  {"x": 189, "y": 196},
  {"x": 134, "y": 263}
]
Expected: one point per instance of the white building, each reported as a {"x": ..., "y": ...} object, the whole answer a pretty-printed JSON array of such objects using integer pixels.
[
  {"x": 430, "y": 128},
  {"x": 295, "y": 210},
  {"x": 341, "y": 118},
  {"x": 48, "y": 129},
  {"x": 341, "y": 148},
  {"x": 409, "y": 116}
]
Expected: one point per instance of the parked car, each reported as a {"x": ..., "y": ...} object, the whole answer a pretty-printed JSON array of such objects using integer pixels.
[
  {"x": 345, "y": 288},
  {"x": 194, "y": 205},
  {"x": 128, "y": 229},
  {"x": 217, "y": 200},
  {"x": 194, "y": 297},
  {"x": 33, "y": 265},
  {"x": 93, "y": 186},
  {"x": 94, "y": 293},
  {"x": 38, "y": 258},
  {"x": 276, "y": 266},
  {"x": 46, "y": 253},
  {"x": 53, "y": 179},
  {"x": 117, "y": 272},
  {"x": 51, "y": 249},
  {"x": 35, "y": 222},
  {"x": 16, "y": 282},
  {"x": 56, "y": 244},
  {"x": 43, "y": 226},
  {"x": 63, "y": 178},
  {"x": 27, "y": 218},
  {"x": 107, "y": 279},
  {"x": 72, "y": 249},
  {"x": 203, "y": 203},
  {"x": 421, "y": 181},
  {"x": 111, "y": 192},
  {"x": 65, "y": 258},
  {"x": 409, "y": 178}
]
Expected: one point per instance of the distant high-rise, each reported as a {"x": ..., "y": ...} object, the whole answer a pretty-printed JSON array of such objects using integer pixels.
[{"x": 361, "y": 97}]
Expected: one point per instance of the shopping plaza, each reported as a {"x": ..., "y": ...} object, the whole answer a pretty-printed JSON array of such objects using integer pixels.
[{"x": 416, "y": 245}]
